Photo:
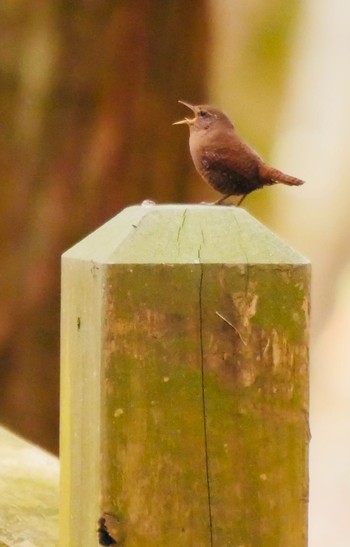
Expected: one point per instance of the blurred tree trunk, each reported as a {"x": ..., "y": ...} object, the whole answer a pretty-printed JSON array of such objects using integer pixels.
[{"x": 88, "y": 92}]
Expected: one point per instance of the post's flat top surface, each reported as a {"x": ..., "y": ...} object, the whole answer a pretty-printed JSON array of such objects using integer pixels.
[{"x": 182, "y": 234}]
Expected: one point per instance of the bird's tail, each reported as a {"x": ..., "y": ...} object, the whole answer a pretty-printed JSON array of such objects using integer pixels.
[{"x": 272, "y": 176}]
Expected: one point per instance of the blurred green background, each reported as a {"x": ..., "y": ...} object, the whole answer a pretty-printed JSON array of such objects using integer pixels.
[{"x": 88, "y": 92}]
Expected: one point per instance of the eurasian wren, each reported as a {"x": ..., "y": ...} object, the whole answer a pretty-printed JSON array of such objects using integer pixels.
[{"x": 223, "y": 159}]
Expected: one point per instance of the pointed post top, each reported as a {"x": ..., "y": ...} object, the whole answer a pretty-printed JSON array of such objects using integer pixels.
[{"x": 184, "y": 234}]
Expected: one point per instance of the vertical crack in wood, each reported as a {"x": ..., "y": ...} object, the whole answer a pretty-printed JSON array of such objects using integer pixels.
[
  {"x": 203, "y": 394},
  {"x": 181, "y": 227}
]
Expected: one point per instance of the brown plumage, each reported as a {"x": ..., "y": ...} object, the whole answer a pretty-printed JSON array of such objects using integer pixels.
[{"x": 223, "y": 159}]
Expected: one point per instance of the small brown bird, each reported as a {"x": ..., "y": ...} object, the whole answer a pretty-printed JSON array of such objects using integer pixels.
[{"x": 223, "y": 159}]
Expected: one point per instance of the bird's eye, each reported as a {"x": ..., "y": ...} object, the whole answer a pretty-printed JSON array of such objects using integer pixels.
[{"x": 203, "y": 113}]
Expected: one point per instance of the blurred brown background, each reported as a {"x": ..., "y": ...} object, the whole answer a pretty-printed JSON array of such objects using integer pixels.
[{"x": 88, "y": 92}]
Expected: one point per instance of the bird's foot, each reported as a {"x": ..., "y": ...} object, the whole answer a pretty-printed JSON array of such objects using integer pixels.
[
  {"x": 221, "y": 201},
  {"x": 209, "y": 203}
]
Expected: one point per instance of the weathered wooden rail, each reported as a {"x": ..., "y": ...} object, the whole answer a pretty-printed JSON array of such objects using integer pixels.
[
  {"x": 184, "y": 388},
  {"x": 28, "y": 494}
]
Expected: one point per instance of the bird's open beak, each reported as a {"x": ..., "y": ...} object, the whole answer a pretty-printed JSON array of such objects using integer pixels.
[{"x": 187, "y": 120}]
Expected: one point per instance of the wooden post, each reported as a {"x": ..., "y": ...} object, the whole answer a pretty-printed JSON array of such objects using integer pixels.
[{"x": 184, "y": 383}]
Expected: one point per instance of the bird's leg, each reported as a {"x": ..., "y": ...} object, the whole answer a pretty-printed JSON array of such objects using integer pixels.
[
  {"x": 222, "y": 199},
  {"x": 239, "y": 202}
]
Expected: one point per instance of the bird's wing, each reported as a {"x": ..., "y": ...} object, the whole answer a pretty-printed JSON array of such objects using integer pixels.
[{"x": 238, "y": 157}]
